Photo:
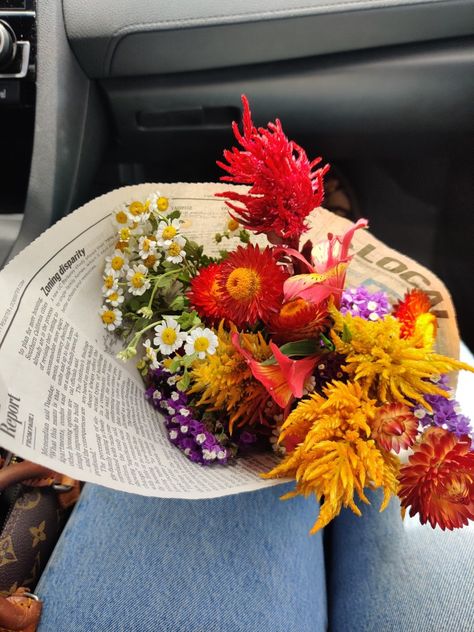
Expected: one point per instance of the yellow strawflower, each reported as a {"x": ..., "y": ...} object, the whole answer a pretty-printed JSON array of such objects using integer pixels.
[
  {"x": 337, "y": 457},
  {"x": 225, "y": 381},
  {"x": 388, "y": 367}
]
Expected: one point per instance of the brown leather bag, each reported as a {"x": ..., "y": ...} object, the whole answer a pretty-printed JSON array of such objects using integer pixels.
[{"x": 35, "y": 503}]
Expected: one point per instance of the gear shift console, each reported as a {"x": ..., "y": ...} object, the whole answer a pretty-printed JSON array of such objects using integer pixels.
[{"x": 17, "y": 108}]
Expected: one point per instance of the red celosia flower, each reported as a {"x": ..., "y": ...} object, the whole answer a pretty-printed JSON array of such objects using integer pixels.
[
  {"x": 250, "y": 285},
  {"x": 438, "y": 481},
  {"x": 395, "y": 427},
  {"x": 204, "y": 293},
  {"x": 297, "y": 320},
  {"x": 284, "y": 185},
  {"x": 415, "y": 304}
]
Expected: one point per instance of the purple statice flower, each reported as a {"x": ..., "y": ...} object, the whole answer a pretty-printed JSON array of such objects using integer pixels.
[
  {"x": 186, "y": 432},
  {"x": 445, "y": 412},
  {"x": 359, "y": 301}
]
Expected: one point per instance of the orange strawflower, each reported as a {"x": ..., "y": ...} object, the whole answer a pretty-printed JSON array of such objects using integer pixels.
[
  {"x": 438, "y": 481},
  {"x": 415, "y": 318},
  {"x": 204, "y": 293},
  {"x": 395, "y": 427},
  {"x": 250, "y": 285},
  {"x": 298, "y": 319}
]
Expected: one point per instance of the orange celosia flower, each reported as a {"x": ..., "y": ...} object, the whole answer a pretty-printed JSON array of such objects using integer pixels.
[
  {"x": 336, "y": 456},
  {"x": 438, "y": 481},
  {"x": 395, "y": 427},
  {"x": 204, "y": 293},
  {"x": 250, "y": 285},
  {"x": 225, "y": 382},
  {"x": 297, "y": 320},
  {"x": 416, "y": 321}
]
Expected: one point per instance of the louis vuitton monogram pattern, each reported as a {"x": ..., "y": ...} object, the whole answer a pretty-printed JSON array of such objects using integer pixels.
[{"x": 28, "y": 538}]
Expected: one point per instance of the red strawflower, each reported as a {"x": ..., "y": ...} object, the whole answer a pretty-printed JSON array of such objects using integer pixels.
[
  {"x": 414, "y": 304},
  {"x": 204, "y": 294},
  {"x": 395, "y": 427},
  {"x": 297, "y": 320},
  {"x": 438, "y": 481},
  {"x": 250, "y": 285},
  {"x": 284, "y": 185}
]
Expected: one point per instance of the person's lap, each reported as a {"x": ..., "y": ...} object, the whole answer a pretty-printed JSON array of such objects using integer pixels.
[
  {"x": 240, "y": 563},
  {"x": 387, "y": 575}
]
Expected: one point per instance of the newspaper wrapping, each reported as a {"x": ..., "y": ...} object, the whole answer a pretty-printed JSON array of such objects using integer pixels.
[{"x": 67, "y": 403}]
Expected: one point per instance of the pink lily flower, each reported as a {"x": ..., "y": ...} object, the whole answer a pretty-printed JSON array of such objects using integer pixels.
[
  {"x": 283, "y": 380},
  {"x": 330, "y": 259}
]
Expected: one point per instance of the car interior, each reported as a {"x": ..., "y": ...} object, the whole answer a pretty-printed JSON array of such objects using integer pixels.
[{"x": 95, "y": 95}]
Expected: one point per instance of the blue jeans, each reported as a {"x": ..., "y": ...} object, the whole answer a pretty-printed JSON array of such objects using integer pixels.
[
  {"x": 238, "y": 564},
  {"x": 385, "y": 575}
]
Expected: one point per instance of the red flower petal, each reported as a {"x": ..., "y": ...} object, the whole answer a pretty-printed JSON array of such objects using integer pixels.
[{"x": 438, "y": 482}]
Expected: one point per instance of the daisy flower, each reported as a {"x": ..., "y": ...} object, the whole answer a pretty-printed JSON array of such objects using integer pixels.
[
  {"x": 152, "y": 261},
  {"x": 110, "y": 282},
  {"x": 138, "y": 282},
  {"x": 201, "y": 341},
  {"x": 139, "y": 211},
  {"x": 175, "y": 251},
  {"x": 150, "y": 353},
  {"x": 124, "y": 234},
  {"x": 159, "y": 203},
  {"x": 111, "y": 318},
  {"x": 114, "y": 296},
  {"x": 117, "y": 262},
  {"x": 169, "y": 336},
  {"x": 250, "y": 285},
  {"x": 120, "y": 217},
  {"x": 166, "y": 232},
  {"x": 146, "y": 246}
]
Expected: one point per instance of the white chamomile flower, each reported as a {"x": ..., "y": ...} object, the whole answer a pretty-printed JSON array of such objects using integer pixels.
[
  {"x": 231, "y": 225},
  {"x": 138, "y": 281},
  {"x": 146, "y": 246},
  {"x": 120, "y": 217},
  {"x": 159, "y": 203},
  {"x": 151, "y": 354},
  {"x": 124, "y": 234},
  {"x": 175, "y": 253},
  {"x": 111, "y": 318},
  {"x": 137, "y": 228},
  {"x": 167, "y": 232},
  {"x": 114, "y": 296},
  {"x": 201, "y": 341},
  {"x": 117, "y": 262},
  {"x": 169, "y": 336},
  {"x": 139, "y": 211},
  {"x": 110, "y": 282}
]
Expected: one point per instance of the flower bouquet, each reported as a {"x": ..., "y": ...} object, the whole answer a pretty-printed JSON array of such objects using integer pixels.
[{"x": 263, "y": 346}]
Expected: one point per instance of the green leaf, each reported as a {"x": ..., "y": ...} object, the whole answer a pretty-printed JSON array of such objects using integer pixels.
[
  {"x": 244, "y": 236},
  {"x": 327, "y": 343},
  {"x": 303, "y": 348},
  {"x": 164, "y": 282},
  {"x": 178, "y": 303},
  {"x": 184, "y": 382},
  {"x": 188, "y": 360},
  {"x": 175, "y": 364},
  {"x": 346, "y": 334}
]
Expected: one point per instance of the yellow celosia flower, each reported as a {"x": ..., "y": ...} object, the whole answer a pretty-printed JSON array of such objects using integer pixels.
[
  {"x": 337, "y": 457},
  {"x": 225, "y": 381},
  {"x": 388, "y": 367}
]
